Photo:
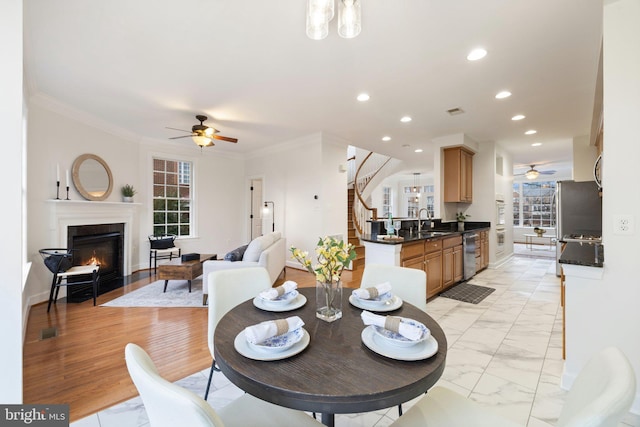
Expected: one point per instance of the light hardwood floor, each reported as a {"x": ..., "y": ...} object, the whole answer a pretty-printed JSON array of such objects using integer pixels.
[{"x": 84, "y": 366}]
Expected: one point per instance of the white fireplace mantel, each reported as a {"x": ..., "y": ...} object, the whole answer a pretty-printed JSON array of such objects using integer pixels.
[{"x": 65, "y": 213}]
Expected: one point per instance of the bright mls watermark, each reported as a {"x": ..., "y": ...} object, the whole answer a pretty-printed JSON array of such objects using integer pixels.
[{"x": 34, "y": 415}]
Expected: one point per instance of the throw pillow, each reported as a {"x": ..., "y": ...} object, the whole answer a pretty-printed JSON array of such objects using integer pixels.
[
  {"x": 255, "y": 248},
  {"x": 57, "y": 263},
  {"x": 236, "y": 254},
  {"x": 164, "y": 243}
]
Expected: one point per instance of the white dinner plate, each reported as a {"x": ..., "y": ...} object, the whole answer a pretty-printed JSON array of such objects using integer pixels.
[
  {"x": 297, "y": 302},
  {"x": 242, "y": 346},
  {"x": 285, "y": 299},
  {"x": 279, "y": 343},
  {"x": 393, "y": 304},
  {"x": 420, "y": 351}
]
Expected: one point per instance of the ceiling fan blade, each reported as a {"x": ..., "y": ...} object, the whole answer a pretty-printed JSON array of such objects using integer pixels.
[
  {"x": 224, "y": 138},
  {"x": 181, "y": 130},
  {"x": 549, "y": 172},
  {"x": 178, "y": 137}
]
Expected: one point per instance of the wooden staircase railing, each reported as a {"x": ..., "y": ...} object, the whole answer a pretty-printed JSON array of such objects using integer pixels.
[{"x": 368, "y": 169}]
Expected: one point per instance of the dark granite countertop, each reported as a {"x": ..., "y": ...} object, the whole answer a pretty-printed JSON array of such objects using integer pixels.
[
  {"x": 443, "y": 231},
  {"x": 587, "y": 254}
]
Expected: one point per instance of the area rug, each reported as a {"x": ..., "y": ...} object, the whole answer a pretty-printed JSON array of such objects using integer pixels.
[
  {"x": 151, "y": 295},
  {"x": 466, "y": 292}
]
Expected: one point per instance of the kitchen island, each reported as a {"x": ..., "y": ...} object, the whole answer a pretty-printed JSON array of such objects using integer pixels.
[{"x": 439, "y": 252}]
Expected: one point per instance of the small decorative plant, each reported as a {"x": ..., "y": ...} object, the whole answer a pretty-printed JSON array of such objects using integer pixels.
[
  {"x": 461, "y": 216},
  {"x": 128, "y": 190},
  {"x": 333, "y": 256}
]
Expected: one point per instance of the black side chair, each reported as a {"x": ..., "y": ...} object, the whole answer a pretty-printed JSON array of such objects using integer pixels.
[
  {"x": 162, "y": 247},
  {"x": 60, "y": 263}
]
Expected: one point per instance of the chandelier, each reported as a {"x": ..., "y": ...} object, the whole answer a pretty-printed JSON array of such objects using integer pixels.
[{"x": 320, "y": 12}]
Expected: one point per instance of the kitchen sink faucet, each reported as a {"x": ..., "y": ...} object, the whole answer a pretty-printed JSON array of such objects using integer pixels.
[{"x": 420, "y": 221}]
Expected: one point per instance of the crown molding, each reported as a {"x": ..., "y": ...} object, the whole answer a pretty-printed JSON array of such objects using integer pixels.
[{"x": 52, "y": 104}]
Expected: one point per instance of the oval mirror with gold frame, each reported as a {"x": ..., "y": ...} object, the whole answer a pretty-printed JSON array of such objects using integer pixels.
[{"x": 92, "y": 177}]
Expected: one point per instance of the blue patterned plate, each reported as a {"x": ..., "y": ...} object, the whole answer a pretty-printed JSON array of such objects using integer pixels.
[
  {"x": 398, "y": 340},
  {"x": 283, "y": 299},
  {"x": 279, "y": 342}
]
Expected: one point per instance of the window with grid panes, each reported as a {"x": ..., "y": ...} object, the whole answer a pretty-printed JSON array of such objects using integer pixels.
[
  {"x": 533, "y": 204},
  {"x": 386, "y": 201},
  {"x": 172, "y": 197}
]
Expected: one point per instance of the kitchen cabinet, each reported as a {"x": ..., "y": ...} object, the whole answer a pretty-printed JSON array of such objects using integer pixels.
[
  {"x": 433, "y": 268},
  {"x": 458, "y": 264},
  {"x": 452, "y": 267},
  {"x": 484, "y": 249},
  {"x": 458, "y": 175}
]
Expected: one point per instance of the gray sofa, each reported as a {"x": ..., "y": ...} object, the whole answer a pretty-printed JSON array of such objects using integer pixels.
[{"x": 266, "y": 251}]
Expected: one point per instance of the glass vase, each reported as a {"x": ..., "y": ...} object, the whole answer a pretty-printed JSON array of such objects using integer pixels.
[{"x": 329, "y": 300}]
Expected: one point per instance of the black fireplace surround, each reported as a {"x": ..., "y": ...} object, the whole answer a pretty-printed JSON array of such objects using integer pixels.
[{"x": 102, "y": 244}]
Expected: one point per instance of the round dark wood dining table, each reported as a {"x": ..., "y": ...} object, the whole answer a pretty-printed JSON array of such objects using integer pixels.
[{"x": 336, "y": 373}]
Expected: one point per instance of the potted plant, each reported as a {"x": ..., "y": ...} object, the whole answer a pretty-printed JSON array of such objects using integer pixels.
[
  {"x": 460, "y": 217},
  {"x": 128, "y": 192}
]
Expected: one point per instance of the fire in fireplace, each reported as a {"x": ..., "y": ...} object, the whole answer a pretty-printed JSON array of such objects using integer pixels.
[{"x": 101, "y": 244}]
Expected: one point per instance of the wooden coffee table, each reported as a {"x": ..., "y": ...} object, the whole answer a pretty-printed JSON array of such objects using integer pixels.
[{"x": 182, "y": 270}]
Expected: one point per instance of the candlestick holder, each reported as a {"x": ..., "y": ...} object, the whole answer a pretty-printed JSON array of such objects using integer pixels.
[
  {"x": 67, "y": 193},
  {"x": 57, "y": 190}
]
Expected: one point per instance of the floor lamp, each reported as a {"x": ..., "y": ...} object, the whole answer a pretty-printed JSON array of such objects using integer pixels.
[{"x": 273, "y": 214}]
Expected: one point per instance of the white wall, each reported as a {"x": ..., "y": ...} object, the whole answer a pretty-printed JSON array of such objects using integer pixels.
[
  {"x": 11, "y": 252},
  {"x": 294, "y": 173},
  {"x": 584, "y": 158},
  {"x": 605, "y": 312},
  {"x": 56, "y": 138}
]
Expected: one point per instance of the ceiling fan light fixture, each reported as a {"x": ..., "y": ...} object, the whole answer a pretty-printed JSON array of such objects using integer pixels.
[
  {"x": 201, "y": 141},
  {"x": 532, "y": 174}
]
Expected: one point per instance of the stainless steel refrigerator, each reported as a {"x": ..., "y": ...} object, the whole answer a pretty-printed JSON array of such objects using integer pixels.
[{"x": 578, "y": 212}]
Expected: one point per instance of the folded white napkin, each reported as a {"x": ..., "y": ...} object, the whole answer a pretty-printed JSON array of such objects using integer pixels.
[
  {"x": 274, "y": 293},
  {"x": 257, "y": 333},
  {"x": 408, "y": 331},
  {"x": 373, "y": 291}
]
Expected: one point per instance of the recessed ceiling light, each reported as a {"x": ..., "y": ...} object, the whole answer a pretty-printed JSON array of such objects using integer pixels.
[
  {"x": 363, "y": 97},
  {"x": 530, "y": 132},
  {"x": 503, "y": 94},
  {"x": 418, "y": 150},
  {"x": 517, "y": 117},
  {"x": 386, "y": 138},
  {"x": 405, "y": 119},
  {"x": 536, "y": 144},
  {"x": 476, "y": 54}
]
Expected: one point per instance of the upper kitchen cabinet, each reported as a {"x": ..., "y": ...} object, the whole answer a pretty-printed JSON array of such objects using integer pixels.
[{"x": 458, "y": 175}]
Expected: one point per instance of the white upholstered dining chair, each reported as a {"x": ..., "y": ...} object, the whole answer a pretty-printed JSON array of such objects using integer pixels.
[
  {"x": 410, "y": 284},
  {"x": 600, "y": 396},
  {"x": 228, "y": 288},
  {"x": 170, "y": 405}
]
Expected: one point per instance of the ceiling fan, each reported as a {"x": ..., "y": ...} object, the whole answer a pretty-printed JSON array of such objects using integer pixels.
[
  {"x": 202, "y": 134},
  {"x": 533, "y": 173}
]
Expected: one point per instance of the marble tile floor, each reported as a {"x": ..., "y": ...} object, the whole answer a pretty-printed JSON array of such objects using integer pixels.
[{"x": 505, "y": 353}]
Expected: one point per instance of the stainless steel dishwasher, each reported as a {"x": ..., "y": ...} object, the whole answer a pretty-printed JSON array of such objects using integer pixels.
[{"x": 469, "y": 248}]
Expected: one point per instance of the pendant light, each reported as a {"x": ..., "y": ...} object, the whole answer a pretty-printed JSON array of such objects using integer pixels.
[
  {"x": 321, "y": 12},
  {"x": 349, "y": 18}
]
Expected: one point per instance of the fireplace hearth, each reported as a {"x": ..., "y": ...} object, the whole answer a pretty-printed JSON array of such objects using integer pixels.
[{"x": 102, "y": 244}]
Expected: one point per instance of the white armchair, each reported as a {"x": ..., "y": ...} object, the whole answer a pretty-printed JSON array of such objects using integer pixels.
[
  {"x": 601, "y": 395},
  {"x": 170, "y": 405},
  {"x": 228, "y": 288}
]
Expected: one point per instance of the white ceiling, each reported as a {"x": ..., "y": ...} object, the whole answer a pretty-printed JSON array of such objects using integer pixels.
[{"x": 142, "y": 65}]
